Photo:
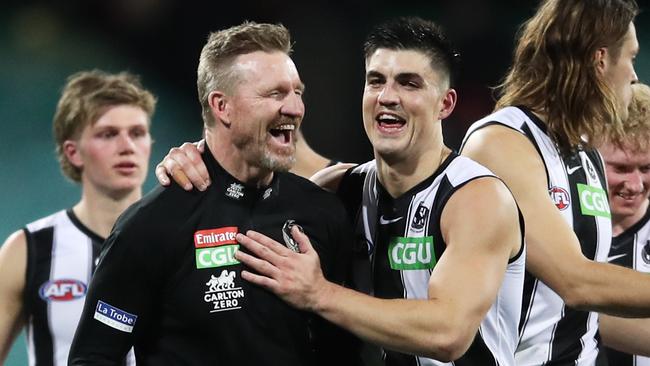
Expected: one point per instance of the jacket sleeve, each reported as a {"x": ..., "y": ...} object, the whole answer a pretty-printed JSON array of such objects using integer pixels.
[{"x": 121, "y": 294}]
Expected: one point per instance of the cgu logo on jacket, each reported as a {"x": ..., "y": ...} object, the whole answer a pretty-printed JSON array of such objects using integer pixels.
[{"x": 62, "y": 290}]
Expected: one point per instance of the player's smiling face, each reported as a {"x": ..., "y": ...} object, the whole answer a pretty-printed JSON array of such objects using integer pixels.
[
  {"x": 628, "y": 178},
  {"x": 404, "y": 99},
  {"x": 267, "y": 109}
]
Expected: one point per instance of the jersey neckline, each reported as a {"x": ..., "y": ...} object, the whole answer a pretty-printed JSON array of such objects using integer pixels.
[{"x": 83, "y": 228}]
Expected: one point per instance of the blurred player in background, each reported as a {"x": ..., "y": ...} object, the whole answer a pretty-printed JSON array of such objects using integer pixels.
[
  {"x": 101, "y": 130},
  {"x": 628, "y": 177}
]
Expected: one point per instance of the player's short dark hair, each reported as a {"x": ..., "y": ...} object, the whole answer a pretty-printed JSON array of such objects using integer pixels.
[{"x": 415, "y": 33}]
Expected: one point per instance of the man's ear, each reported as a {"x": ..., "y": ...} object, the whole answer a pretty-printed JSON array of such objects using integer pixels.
[
  {"x": 219, "y": 104},
  {"x": 72, "y": 153},
  {"x": 448, "y": 103},
  {"x": 601, "y": 59}
]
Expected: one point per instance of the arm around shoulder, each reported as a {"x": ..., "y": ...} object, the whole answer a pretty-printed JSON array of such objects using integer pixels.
[
  {"x": 330, "y": 177},
  {"x": 13, "y": 267}
]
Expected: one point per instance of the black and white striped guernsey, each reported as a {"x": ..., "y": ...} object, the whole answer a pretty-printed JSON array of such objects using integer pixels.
[
  {"x": 631, "y": 249},
  {"x": 404, "y": 240},
  {"x": 550, "y": 332},
  {"x": 61, "y": 254}
]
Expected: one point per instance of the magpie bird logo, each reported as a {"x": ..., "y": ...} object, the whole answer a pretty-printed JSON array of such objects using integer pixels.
[
  {"x": 289, "y": 241},
  {"x": 591, "y": 171},
  {"x": 420, "y": 217},
  {"x": 645, "y": 253}
]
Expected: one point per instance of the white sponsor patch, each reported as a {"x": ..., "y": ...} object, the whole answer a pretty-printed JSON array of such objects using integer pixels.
[
  {"x": 114, "y": 317},
  {"x": 223, "y": 293}
]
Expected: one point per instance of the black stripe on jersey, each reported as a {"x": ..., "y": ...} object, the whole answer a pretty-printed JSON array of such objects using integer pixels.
[
  {"x": 445, "y": 191},
  {"x": 399, "y": 359},
  {"x": 477, "y": 354},
  {"x": 522, "y": 233},
  {"x": 39, "y": 252},
  {"x": 584, "y": 226},
  {"x": 528, "y": 298},
  {"x": 617, "y": 358},
  {"x": 350, "y": 191},
  {"x": 83, "y": 228},
  {"x": 528, "y": 133},
  {"x": 533, "y": 117},
  {"x": 627, "y": 237},
  {"x": 567, "y": 344}
]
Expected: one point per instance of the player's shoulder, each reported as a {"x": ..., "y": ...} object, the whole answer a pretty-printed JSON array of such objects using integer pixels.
[
  {"x": 304, "y": 191},
  {"x": 46, "y": 221},
  {"x": 330, "y": 177},
  {"x": 160, "y": 210},
  {"x": 16, "y": 241},
  {"x": 353, "y": 178},
  {"x": 303, "y": 188},
  {"x": 463, "y": 168}
]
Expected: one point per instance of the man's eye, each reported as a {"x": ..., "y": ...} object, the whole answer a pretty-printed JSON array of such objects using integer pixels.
[
  {"x": 106, "y": 134},
  {"x": 138, "y": 133}
]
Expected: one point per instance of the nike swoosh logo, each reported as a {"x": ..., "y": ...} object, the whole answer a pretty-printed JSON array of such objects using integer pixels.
[
  {"x": 615, "y": 257},
  {"x": 384, "y": 221},
  {"x": 572, "y": 170}
]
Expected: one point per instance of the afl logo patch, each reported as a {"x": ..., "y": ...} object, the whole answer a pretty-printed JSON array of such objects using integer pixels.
[
  {"x": 560, "y": 197},
  {"x": 62, "y": 290}
]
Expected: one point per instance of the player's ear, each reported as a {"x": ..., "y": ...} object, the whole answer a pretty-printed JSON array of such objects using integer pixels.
[
  {"x": 220, "y": 106},
  {"x": 72, "y": 153},
  {"x": 600, "y": 59},
  {"x": 448, "y": 103}
]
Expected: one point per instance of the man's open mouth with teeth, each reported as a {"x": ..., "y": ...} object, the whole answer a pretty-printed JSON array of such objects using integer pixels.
[
  {"x": 283, "y": 133},
  {"x": 628, "y": 196},
  {"x": 389, "y": 122}
]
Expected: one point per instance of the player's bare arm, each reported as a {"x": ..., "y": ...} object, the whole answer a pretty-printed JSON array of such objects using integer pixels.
[
  {"x": 13, "y": 264},
  {"x": 330, "y": 177},
  {"x": 625, "y": 335},
  {"x": 442, "y": 326},
  {"x": 185, "y": 166},
  {"x": 582, "y": 284}
]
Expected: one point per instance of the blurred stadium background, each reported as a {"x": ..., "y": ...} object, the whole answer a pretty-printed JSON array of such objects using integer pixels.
[{"x": 41, "y": 42}]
